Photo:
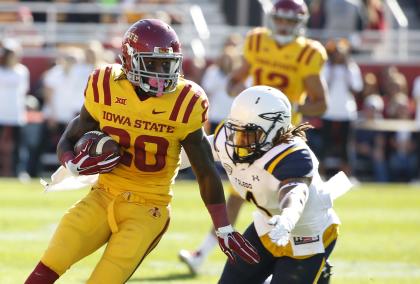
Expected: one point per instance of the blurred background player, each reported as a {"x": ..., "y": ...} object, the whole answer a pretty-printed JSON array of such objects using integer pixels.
[
  {"x": 269, "y": 164},
  {"x": 128, "y": 207},
  {"x": 344, "y": 81},
  {"x": 14, "y": 85},
  {"x": 279, "y": 56}
]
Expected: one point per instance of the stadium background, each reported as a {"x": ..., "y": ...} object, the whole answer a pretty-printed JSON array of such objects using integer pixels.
[{"x": 380, "y": 239}]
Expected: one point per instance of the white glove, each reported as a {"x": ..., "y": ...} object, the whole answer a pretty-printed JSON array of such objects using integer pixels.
[{"x": 280, "y": 233}]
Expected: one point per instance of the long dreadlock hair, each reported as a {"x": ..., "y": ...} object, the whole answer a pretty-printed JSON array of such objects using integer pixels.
[{"x": 293, "y": 131}]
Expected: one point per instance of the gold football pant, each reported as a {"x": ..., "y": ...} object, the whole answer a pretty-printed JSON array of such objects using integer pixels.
[{"x": 86, "y": 227}]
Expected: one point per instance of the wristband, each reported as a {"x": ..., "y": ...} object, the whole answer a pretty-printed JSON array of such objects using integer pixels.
[
  {"x": 218, "y": 214},
  {"x": 65, "y": 157}
]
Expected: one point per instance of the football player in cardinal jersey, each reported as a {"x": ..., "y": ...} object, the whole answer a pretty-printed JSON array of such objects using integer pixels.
[
  {"x": 269, "y": 164},
  {"x": 152, "y": 112},
  {"x": 279, "y": 56}
]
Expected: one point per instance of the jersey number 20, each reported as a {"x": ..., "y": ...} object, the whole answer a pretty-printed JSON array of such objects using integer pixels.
[{"x": 140, "y": 149}]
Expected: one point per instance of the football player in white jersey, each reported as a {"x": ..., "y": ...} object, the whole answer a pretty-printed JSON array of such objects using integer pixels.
[{"x": 268, "y": 163}]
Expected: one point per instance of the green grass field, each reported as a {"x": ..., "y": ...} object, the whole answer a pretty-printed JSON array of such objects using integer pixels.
[{"x": 379, "y": 241}]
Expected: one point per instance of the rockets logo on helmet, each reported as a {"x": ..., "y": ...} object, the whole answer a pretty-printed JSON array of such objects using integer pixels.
[{"x": 256, "y": 115}]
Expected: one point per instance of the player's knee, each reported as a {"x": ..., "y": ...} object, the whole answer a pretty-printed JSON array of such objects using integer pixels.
[{"x": 325, "y": 274}]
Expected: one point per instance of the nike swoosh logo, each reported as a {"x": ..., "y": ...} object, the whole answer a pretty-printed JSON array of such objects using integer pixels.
[{"x": 157, "y": 112}]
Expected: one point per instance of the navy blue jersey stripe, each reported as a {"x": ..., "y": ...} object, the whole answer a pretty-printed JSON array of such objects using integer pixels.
[
  {"x": 267, "y": 165},
  {"x": 296, "y": 164}
]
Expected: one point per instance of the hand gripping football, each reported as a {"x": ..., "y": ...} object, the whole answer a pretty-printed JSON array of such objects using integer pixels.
[{"x": 102, "y": 144}]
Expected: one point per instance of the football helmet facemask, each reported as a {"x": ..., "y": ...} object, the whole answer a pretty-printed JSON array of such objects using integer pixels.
[
  {"x": 287, "y": 20},
  {"x": 256, "y": 115},
  {"x": 151, "y": 56}
]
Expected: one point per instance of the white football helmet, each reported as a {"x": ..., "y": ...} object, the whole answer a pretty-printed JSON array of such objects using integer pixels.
[{"x": 256, "y": 115}]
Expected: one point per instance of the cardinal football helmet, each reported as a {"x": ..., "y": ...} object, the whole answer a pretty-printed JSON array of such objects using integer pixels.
[
  {"x": 294, "y": 14},
  {"x": 151, "y": 56},
  {"x": 256, "y": 115}
]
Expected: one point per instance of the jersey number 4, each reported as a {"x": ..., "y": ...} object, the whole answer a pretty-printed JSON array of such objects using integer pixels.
[{"x": 140, "y": 149}]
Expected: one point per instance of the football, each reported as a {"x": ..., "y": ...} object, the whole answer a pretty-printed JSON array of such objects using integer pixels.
[{"x": 102, "y": 143}]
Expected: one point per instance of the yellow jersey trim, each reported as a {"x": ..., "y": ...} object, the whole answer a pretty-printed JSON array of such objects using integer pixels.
[{"x": 282, "y": 155}]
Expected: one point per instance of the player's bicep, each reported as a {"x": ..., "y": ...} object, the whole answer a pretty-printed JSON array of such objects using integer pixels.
[
  {"x": 81, "y": 124},
  {"x": 185, "y": 162}
]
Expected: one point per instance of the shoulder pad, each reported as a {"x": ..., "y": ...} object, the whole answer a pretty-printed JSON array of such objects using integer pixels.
[
  {"x": 312, "y": 54},
  {"x": 258, "y": 30},
  {"x": 253, "y": 41},
  {"x": 191, "y": 104},
  {"x": 98, "y": 88},
  {"x": 291, "y": 162}
]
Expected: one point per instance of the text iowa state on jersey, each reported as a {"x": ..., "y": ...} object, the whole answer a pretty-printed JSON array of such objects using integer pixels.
[{"x": 150, "y": 129}]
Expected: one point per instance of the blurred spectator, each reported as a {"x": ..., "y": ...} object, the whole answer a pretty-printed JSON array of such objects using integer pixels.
[
  {"x": 317, "y": 14},
  {"x": 392, "y": 82},
  {"x": 370, "y": 144},
  {"x": 14, "y": 85},
  {"x": 396, "y": 104},
  {"x": 344, "y": 16},
  {"x": 214, "y": 83},
  {"x": 375, "y": 15},
  {"x": 403, "y": 156},
  {"x": 61, "y": 103},
  {"x": 344, "y": 79},
  {"x": 93, "y": 57},
  {"x": 370, "y": 87},
  {"x": 416, "y": 97},
  {"x": 30, "y": 147}
]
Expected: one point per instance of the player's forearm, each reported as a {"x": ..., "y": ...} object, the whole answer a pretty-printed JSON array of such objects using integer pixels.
[
  {"x": 293, "y": 202},
  {"x": 66, "y": 143},
  {"x": 211, "y": 190},
  {"x": 65, "y": 149}
]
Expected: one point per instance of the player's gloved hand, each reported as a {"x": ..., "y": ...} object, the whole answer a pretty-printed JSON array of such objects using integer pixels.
[
  {"x": 232, "y": 242},
  {"x": 84, "y": 164},
  {"x": 280, "y": 233}
]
